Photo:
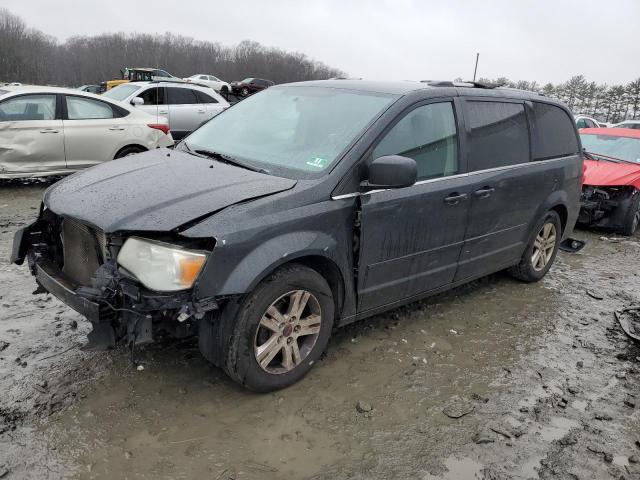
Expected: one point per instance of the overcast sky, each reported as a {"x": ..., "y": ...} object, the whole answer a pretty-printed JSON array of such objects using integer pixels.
[{"x": 543, "y": 40}]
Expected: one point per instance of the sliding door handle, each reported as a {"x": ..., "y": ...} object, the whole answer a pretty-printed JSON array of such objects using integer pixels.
[
  {"x": 484, "y": 192},
  {"x": 455, "y": 198}
]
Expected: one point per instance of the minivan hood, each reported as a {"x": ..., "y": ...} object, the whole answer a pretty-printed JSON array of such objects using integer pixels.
[
  {"x": 603, "y": 173},
  {"x": 157, "y": 191}
]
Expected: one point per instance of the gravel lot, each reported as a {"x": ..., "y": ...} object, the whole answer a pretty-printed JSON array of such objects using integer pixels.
[{"x": 494, "y": 380}]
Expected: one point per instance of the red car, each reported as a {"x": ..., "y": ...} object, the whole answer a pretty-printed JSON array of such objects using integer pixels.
[{"x": 611, "y": 191}]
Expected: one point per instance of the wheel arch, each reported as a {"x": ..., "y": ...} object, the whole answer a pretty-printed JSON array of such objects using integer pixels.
[
  {"x": 563, "y": 213},
  {"x": 315, "y": 250},
  {"x": 130, "y": 145}
]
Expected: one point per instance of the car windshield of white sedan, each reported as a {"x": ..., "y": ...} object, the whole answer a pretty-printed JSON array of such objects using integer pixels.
[
  {"x": 623, "y": 148},
  {"x": 121, "y": 92},
  {"x": 300, "y": 128}
]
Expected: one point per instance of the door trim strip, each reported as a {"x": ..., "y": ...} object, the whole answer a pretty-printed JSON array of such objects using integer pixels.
[{"x": 459, "y": 175}]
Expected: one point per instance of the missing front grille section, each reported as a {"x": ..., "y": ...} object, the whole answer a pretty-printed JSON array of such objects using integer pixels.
[{"x": 83, "y": 249}]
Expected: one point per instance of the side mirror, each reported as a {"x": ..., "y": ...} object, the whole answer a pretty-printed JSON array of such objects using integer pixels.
[
  {"x": 137, "y": 101},
  {"x": 392, "y": 171}
]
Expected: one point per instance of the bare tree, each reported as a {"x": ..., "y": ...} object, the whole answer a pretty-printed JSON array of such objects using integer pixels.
[{"x": 29, "y": 56}]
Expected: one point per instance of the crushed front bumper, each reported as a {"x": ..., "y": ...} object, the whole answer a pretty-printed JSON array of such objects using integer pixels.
[
  {"x": 49, "y": 278},
  {"x": 604, "y": 207},
  {"x": 119, "y": 308}
]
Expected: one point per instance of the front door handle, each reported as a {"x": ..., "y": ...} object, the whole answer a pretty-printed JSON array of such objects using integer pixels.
[
  {"x": 163, "y": 112},
  {"x": 201, "y": 111},
  {"x": 49, "y": 130},
  {"x": 484, "y": 192},
  {"x": 455, "y": 198}
]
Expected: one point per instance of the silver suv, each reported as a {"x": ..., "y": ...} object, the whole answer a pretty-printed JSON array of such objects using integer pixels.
[{"x": 185, "y": 106}]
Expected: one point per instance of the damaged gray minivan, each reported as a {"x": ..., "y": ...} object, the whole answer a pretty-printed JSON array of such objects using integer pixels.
[{"x": 306, "y": 207}]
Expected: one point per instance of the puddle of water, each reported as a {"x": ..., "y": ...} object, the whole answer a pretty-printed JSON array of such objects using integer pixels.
[
  {"x": 620, "y": 460},
  {"x": 557, "y": 428},
  {"x": 529, "y": 469},
  {"x": 580, "y": 405},
  {"x": 459, "y": 469}
]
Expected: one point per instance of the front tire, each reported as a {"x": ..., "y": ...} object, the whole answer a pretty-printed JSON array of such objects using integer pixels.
[
  {"x": 541, "y": 250},
  {"x": 279, "y": 331},
  {"x": 632, "y": 217}
]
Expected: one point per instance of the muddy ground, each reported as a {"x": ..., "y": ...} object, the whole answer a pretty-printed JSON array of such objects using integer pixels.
[{"x": 541, "y": 378}]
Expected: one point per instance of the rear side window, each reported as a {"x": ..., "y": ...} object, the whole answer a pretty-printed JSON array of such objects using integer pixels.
[
  {"x": 79, "y": 108},
  {"x": 428, "y": 135},
  {"x": 499, "y": 134},
  {"x": 554, "y": 135},
  {"x": 28, "y": 107},
  {"x": 181, "y": 96},
  {"x": 204, "y": 98}
]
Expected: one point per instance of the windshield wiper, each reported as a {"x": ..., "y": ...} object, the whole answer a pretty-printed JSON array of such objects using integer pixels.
[
  {"x": 221, "y": 157},
  {"x": 608, "y": 158},
  {"x": 598, "y": 156}
]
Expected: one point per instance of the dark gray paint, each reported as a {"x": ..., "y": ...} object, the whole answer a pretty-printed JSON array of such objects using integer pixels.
[
  {"x": 410, "y": 239},
  {"x": 158, "y": 190}
]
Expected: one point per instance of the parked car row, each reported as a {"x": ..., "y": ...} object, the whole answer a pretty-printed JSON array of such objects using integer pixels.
[
  {"x": 185, "y": 106},
  {"x": 56, "y": 131}
]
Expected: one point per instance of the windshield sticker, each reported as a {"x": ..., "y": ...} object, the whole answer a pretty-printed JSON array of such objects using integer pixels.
[{"x": 317, "y": 162}]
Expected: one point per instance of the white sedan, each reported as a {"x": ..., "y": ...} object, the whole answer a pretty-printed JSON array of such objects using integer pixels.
[
  {"x": 214, "y": 82},
  {"x": 56, "y": 131}
]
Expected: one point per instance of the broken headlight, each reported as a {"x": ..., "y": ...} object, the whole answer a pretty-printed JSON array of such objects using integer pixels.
[{"x": 161, "y": 266}]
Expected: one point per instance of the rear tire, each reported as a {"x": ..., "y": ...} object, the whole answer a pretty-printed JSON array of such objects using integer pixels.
[
  {"x": 541, "y": 250},
  {"x": 244, "y": 92},
  {"x": 632, "y": 218},
  {"x": 272, "y": 338},
  {"x": 126, "y": 151}
]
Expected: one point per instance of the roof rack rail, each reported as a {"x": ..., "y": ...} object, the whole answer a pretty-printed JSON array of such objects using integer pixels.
[
  {"x": 438, "y": 83},
  {"x": 448, "y": 83}
]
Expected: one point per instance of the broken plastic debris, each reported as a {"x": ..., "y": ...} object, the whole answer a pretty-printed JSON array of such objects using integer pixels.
[{"x": 140, "y": 368}]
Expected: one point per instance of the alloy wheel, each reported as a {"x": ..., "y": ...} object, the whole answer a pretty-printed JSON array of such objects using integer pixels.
[
  {"x": 543, "y": 246},
  {"x": 287, "y": 332}
]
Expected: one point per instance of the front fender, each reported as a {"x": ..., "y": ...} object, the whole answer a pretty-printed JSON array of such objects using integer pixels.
[{"x": 253, "y": 266}]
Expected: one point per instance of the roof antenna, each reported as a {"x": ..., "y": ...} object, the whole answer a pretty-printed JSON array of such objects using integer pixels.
[{"x": 475, "y": 70}]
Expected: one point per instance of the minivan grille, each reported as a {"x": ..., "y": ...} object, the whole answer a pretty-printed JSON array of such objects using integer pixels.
[{"x": 83, "y": 248}]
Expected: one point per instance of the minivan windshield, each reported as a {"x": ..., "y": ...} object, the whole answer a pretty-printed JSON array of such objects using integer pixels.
[
  {"x": 295, "y": 131},
  {"x": 121, "y": 92},
  {"x": 623, "y": 148}
]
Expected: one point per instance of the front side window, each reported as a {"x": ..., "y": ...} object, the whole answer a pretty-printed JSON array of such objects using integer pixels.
[
  {"x": 28, "y": 107},
  {"x": 554, "y": 133},
  {"x": 154, "y": 96},
  {"x": 181, "y": 96},
  {"x": 79, "y": 108},
  {"x": 297, "y": 132},
  {"x": 428, "y": 135},
  {"x": 499, "y": 134}
]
